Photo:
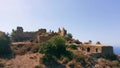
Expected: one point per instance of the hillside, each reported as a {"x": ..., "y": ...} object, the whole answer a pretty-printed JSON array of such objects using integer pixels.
[{"x": 53, "y": 50}]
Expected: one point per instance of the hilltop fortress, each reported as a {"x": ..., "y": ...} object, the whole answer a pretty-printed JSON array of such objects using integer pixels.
[{"x": 42, "y": 36}]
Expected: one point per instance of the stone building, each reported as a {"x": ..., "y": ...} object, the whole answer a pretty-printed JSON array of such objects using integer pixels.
[
  {"x": 62, "y": 32},
  {"x": 96, "y": 48},
  {"x": 19, "y": 35},
  {"x": 42, "y": 36},
  {"x": 39, "y": 36}
]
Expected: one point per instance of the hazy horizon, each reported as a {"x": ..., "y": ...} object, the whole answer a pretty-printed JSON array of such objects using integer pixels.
[{"x": 96, "y": 20}]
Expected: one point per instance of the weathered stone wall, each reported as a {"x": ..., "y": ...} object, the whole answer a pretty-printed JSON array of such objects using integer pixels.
[
  {"x": 42, "y": 31},
  {"x": 107, "y": 50},
  {"x": 45, "y": 37},
  {"x": 90, "y": 48},
  {"x": 20, "y": 35},
  {"x": 62, "y": 32},
  {"x": 40, "y": 36}
]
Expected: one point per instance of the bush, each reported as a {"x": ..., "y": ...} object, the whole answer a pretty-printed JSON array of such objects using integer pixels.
[
  {"x": 98, "y": 42},
  {"x": 68, "y": 54},
  {"x": 54, "y": 47},
  {"x": 74, "y": 47},
  {"x": 71, "y": 64},
  {"x": 46, "y": 59},
  {"x": 78, "y": 42},
  {"x": 80, "y": 58},
  {"x": 69, "y": 35},
  {"x": 111, "y": 57},
  {"x": 5, "y": 45}
]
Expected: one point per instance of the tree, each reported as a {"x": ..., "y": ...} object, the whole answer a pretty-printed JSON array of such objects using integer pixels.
[
  {"x": 4, "y": 44},
  {"x": 98, "y": 42},
  {"x": 90, "y": 41},
  {"x": 78, "y": 42},
  {"x": 13, "y": 32},
  {"x": 54, "y": 47},
  {"x": 69, "y": 35},
  {"x": 72, "y": 46}
]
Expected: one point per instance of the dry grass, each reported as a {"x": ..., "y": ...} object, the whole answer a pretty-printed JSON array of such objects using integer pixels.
[
  {"x": 103, "y": 63},
  {"x": 24, "y": 61}
]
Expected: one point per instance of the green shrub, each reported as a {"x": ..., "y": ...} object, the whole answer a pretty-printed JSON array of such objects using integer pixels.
[
  {"x": 98, "y": 42},
  {"x": 78, "y": 42},
  {"x": 46, "y": 59},
  {"x": 54, "y": 47},
  {"x": 74, "y": 47},
  {"x": 111, "y": 57},
  {"x": 80, "y": 58},
  {"x": 5, "y": 45},
  {"x": 69, "y": 35}
]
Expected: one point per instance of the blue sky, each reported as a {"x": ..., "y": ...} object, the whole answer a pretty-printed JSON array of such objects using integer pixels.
[{"x": 97, "y": 20}]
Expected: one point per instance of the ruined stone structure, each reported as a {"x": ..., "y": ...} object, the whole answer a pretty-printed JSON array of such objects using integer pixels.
[
  {"x": 42, "y": 36},
  {"x": 45, "y": 37},
  {"x": 20, "y": 35},
  {"x": 97, "y": 48},
  {"x": 62, "y": 32},
  {"x": 39, "y": 36}
]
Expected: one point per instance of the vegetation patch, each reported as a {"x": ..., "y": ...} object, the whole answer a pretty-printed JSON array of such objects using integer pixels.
[
  {"x": 72, "y": 46},
  {"x": 5, "y": 48}
]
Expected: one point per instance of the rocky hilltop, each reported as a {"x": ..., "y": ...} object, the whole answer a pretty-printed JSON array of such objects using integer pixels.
[{"x": 43, "y": 49}]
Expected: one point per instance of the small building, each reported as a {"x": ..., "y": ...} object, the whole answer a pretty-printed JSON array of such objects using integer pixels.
[{"x": 96, "y": 48}]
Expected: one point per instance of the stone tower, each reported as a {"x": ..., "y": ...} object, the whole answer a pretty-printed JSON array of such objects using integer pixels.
[
  {"x": 59, "y": 30},
  {"x": 62, "y": 32},
  {"x": 19, "y": 29}
]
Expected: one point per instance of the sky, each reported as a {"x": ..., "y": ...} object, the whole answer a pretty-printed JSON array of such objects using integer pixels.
[{"x": 96, "y": 20}]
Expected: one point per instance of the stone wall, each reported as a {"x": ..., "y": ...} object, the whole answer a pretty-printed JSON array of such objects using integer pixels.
[
  {"x": 42, "y": 31},
  {"x": 62, "y": 32},
  {"x": 20, "y": 35},
  {"x": 107, "y": 50},
  {"x": 39, "y": 36},
  {"x": 44, "y": 37},
  {"x": 87, "y": 48},
  {"x": 97, "y": 48}
]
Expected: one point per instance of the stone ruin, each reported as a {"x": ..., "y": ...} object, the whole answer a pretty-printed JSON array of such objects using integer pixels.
[
  {"x": 42, "y": 36},
  {"x": 20, "y": 35},
  {"x": 38, "y": 36},
  {"x": 96, "y": 49},
  {"x": 62, "y": 32}
]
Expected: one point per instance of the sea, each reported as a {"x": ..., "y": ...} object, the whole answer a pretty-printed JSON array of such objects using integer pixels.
[{"x": 116, "y": 50}]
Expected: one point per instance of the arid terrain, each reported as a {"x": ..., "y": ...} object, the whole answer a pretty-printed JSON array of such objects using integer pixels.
[{"x": 53, "y": 50}]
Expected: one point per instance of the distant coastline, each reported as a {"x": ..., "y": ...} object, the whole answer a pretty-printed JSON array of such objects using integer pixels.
[{"x": 117, "y": 50}]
